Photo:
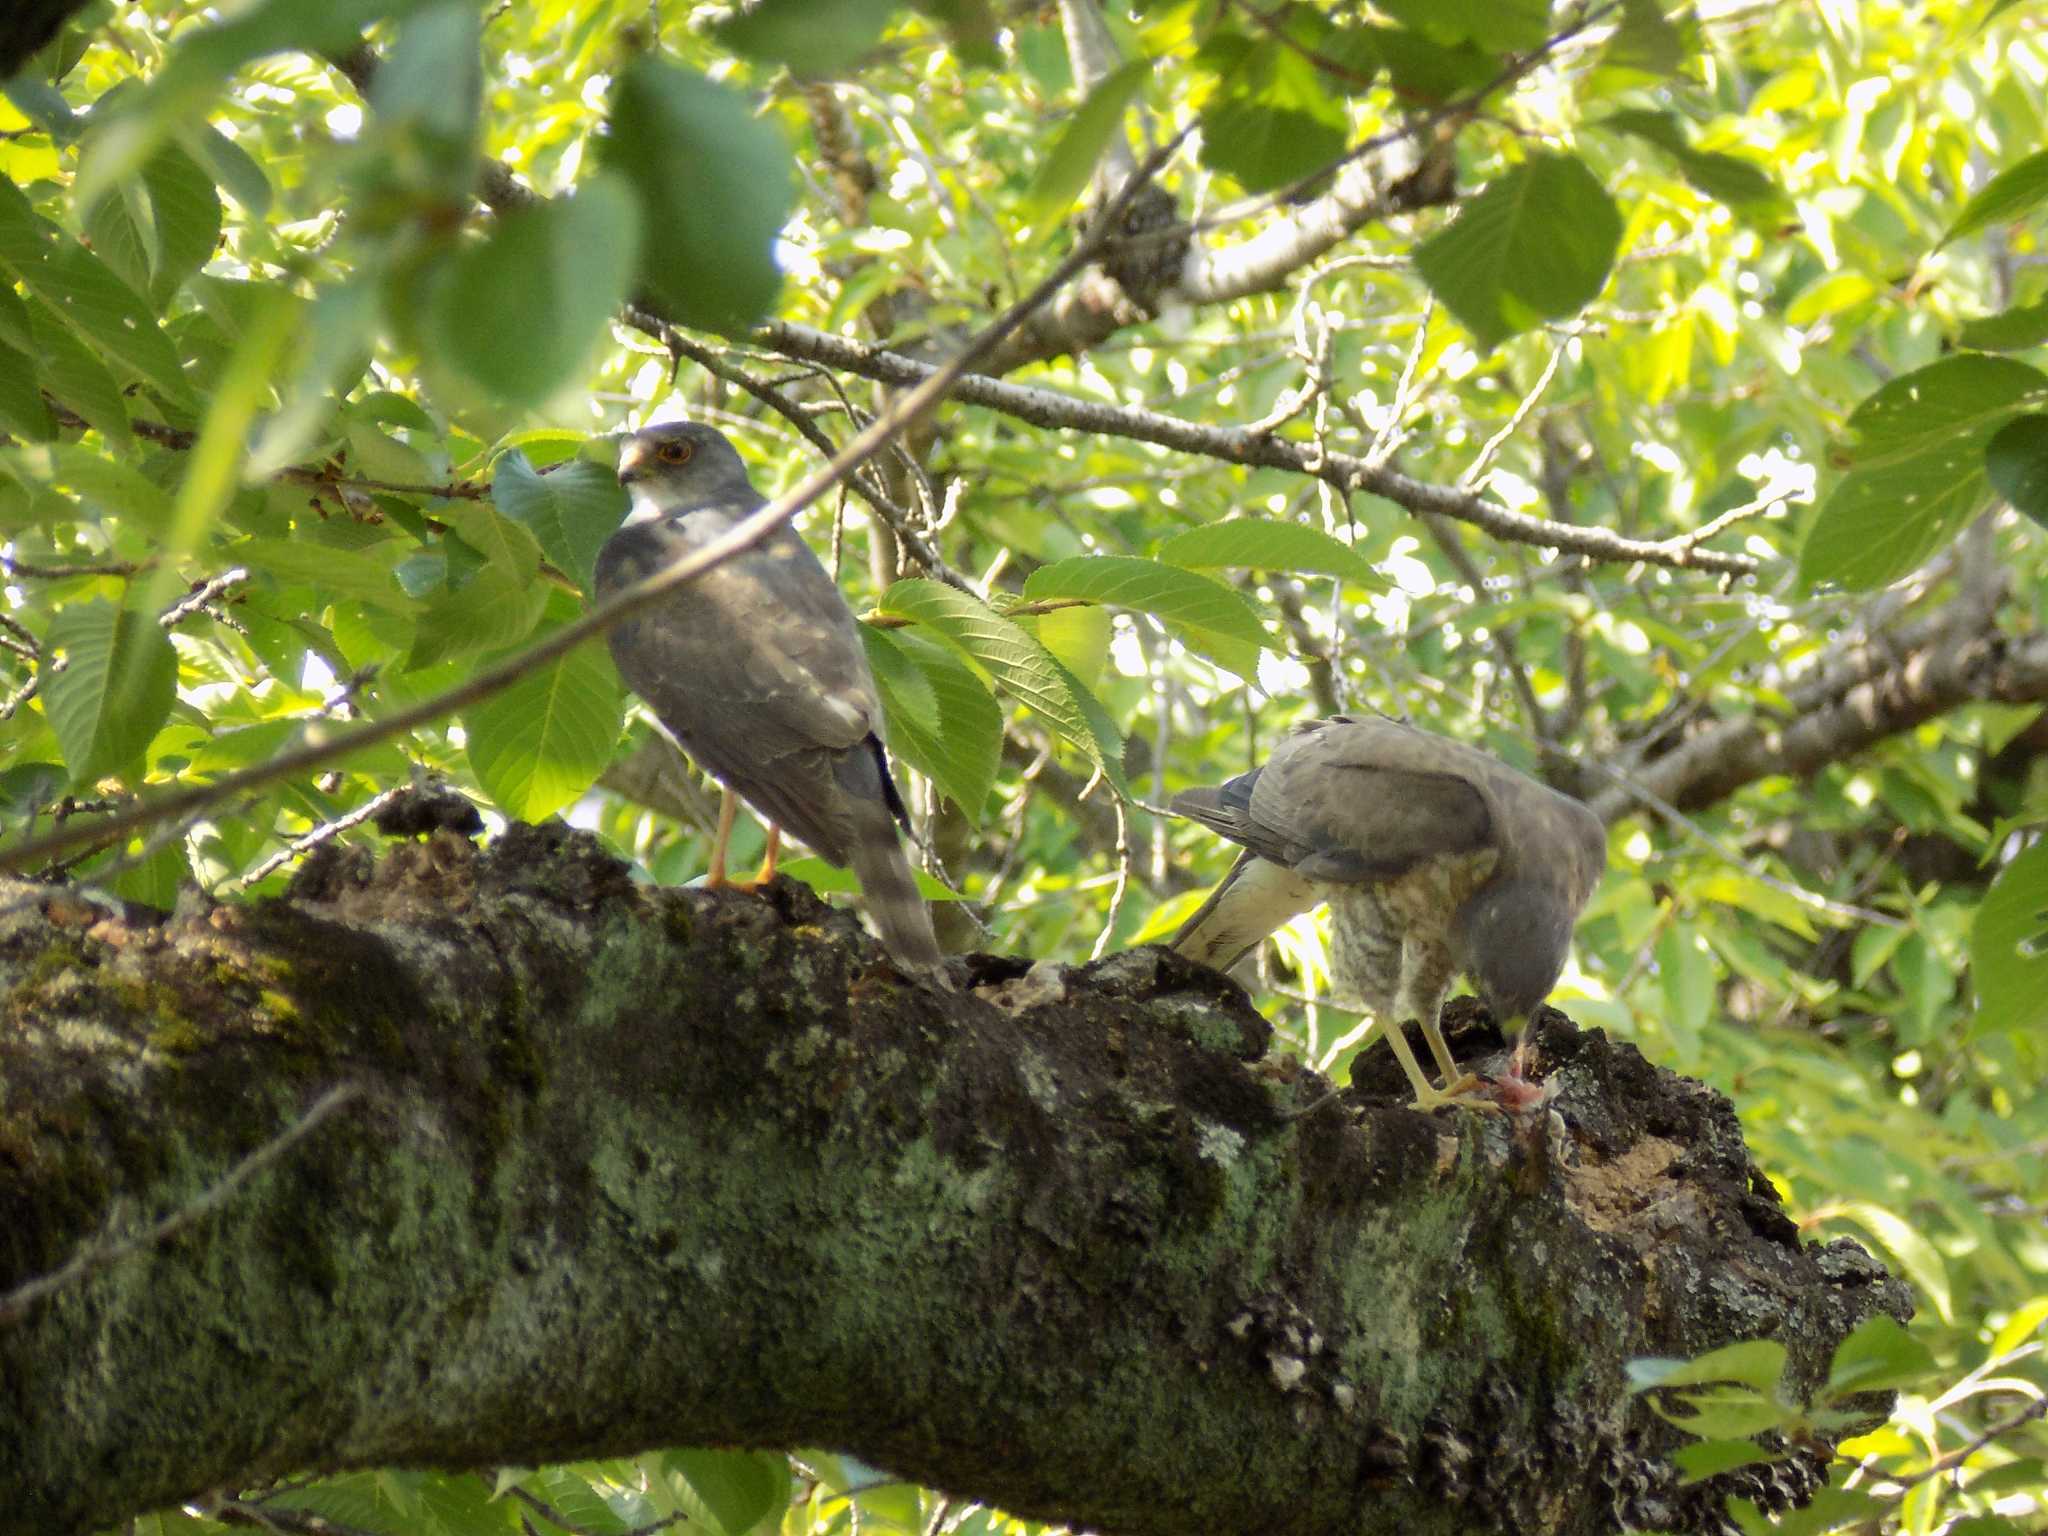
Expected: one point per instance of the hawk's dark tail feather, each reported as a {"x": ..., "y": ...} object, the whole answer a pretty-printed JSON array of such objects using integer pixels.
[
  {"x": 889, "y": 889},
  {"x": 890, "y": 793}
]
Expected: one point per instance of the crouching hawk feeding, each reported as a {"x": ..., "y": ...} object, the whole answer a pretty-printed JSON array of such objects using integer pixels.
[
  {"x": 756, "y": 668},
  {"x": 1434, "y": 857}
]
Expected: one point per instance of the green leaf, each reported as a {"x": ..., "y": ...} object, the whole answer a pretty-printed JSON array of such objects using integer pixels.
[
  {"x": 538, "y": 745},
  {"x": 428, "y": 97},
  {"x": 942, "y": 720},
  {"x": 1830, "y": 294},
  {"x": 494, "y": 610},
  {"x": 561, "y": 266},
  {"x": 1505, "y": 26},
  {"x": 159, "y": 228},
  {"x": 1430, "y": 72},
  {"x": 14, "y": 322},
  {"x": 572, "y": 509},
  {"x": 1272, "y": 544},
  {"x": 1709, "y": 1458},
  {"x": 1064, "y": 172},
  {"x": 186, "y": 212},
  {"x": 105, "y": 487},
  {"x": 1879, "y": 1356},
  {"x": 1741, "y": 184},
  {"x": 230, "y": 166},
  {"x": 335, "y": 349},
  {"x": 2009, "y": 946},
  {"x": 1536, "y": 245},
  {"x": 1726, "y": 1414},
  {"x": 1203, "y": 614},
  {"x": 2016, "y": 462},
  {"x": 510, "y": 547},
  {"x": 116, "y": 688},
  {"x": 1748, "y": 893},
  {"x": 460, "y": 1504},
  {"x": 714, "y": 185},
  {"x": 1077, "y": 637},
  {"x": 809, "y": 37},
  {"x": 2012, "y": 194},
  {"x": 121, "y": 234},
  {"x": 22, "y": 409},
  {"x": 84, "y": 292},
  {"x": 1757, "y": 1363},
  {"x": 738, "y": 1490},
  {"x": 76, "y": 377},
  {"x": 1273, "y": 124},
  {"x": 1645, "y": 40},
  {"x": 200, "y": 61},
  {"x": 1918, "y": 468},
  {"x": 2010, "y": 330},
  {"x": 1015, "y": 659},
  {"x": 971, "y": 24},
  {"x": 364, "y": 574},
  {"x": 1738, "y": 183}
]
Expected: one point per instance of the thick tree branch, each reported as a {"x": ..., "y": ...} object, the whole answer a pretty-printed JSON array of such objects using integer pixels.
[
  {"x": 710, "y": 1170},
  {"x": 1936, "y": 669}
]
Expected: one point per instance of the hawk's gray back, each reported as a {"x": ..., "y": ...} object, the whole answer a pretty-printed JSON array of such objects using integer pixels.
[{"x": 758, "y": 670}]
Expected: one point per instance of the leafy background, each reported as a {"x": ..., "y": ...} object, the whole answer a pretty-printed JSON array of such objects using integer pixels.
[{"x": 1688, "y": 354}]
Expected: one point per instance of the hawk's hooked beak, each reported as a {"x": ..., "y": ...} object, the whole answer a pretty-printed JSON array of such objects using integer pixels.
[{"x": 633, "y": 460}]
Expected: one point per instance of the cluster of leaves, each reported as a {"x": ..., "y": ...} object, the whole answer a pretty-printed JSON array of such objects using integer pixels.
[{"x": 296, "y": 438}]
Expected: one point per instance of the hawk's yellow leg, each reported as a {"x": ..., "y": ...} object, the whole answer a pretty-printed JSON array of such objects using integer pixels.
[
  {"x": 767, "y": 870},
  {"x": 1427, "y": 1095},
  {"x": 728, "y": 807},
  {"x": 1457, "y": 1081},
  {"x": 715, "y": 878}
]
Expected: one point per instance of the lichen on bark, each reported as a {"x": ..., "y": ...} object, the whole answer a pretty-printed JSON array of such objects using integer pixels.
[{"x": 634, "y": 1167}]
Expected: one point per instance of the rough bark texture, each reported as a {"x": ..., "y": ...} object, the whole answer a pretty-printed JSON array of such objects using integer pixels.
[{"x": 636, "y": 1167}]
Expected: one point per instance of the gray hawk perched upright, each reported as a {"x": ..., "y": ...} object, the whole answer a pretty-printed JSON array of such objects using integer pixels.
[
  {"x": 757, "y": 669},
  {"x": 1434, "y": 857}
]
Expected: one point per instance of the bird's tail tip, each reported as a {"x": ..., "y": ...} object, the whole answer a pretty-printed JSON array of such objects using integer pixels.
[{"x": 890, "y": 892}]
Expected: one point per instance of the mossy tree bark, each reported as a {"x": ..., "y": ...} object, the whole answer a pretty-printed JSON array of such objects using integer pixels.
[{"x": 632, "y": 1167}]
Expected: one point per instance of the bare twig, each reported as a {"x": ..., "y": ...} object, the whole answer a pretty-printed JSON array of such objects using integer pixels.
[
  {"x": 200, "y": 596},
  {"x": 1476, "y": 470},
  {"x": 100, "y": 1255},
  {"x": 18, "y": 567},
  {"x": 1235, "y": 445},
  {"x": 2037, "y": 1409},
  {"x": 326, "y": 832}
]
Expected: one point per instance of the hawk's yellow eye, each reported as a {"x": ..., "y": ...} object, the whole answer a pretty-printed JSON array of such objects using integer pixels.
[{"x": 675, "y": 451}]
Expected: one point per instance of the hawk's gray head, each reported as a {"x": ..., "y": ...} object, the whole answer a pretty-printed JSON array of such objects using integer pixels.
[
  {"x": 682, "y": 464},
  {"x": 1514, "y": 934}
]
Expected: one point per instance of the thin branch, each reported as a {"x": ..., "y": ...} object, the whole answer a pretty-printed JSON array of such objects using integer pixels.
[
  {"x": 1472, "y": 478},
  {"x": 905, "y": 410},
  {"x": 326, "y": 832},
  {"x": 205, "y": 593},
  {"x": 18, "y": 567},
  {"x": 17, "y": 1302},
  {"x": 1235, "y": 445},
  {"x": 2037, "y": 1409}
]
